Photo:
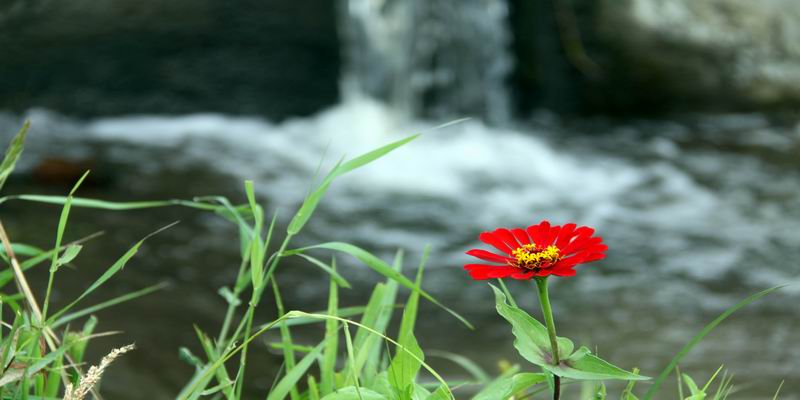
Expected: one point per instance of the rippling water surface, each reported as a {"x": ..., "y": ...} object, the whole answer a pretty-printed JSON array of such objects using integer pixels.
[{"x": 699, "y": 212}]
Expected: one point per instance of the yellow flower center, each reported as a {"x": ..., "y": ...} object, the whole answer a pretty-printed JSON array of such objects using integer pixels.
[{"x": 531, "y": 256}]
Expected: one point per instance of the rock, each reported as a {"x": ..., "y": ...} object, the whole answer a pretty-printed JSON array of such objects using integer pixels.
[
  {"x": 652, "y": 56},
  {"x": 276, "y": 58},
  {"x": 712, "y": 54}
]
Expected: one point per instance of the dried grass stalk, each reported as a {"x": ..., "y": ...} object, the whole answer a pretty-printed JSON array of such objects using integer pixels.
[{"x": 93, "y": 376}]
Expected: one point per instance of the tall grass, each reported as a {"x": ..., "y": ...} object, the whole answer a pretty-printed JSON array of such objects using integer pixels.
[{"x": 357, "y": 355}]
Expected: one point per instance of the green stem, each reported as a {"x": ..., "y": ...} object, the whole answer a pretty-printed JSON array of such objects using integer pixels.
[
  {"x": 223, "y": 333},
  {"x": 544, "y": 299}
]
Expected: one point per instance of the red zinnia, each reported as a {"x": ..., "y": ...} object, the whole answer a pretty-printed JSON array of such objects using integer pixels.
[{"x": 539, "y": 250}]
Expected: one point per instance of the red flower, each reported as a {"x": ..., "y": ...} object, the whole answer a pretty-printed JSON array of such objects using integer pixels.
[{"x": 539, "y": 250}]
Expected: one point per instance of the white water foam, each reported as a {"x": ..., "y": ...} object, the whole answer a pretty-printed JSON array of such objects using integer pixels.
[{"x": 451, "y": 183}]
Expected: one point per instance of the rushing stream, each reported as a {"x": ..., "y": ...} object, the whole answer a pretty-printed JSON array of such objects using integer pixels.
[
  {"x": 698, "y": 214},
  {"x": 699, "y": 211}
]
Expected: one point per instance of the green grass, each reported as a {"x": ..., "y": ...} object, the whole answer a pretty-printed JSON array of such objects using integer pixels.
[{"x": 357, "y": 355}]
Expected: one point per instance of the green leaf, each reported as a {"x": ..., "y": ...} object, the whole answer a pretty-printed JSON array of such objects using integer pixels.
[
  {"x": 69, "y": 254},
  {"x": 186, "y": 355},
  {"x": 381, "y": 267},
  {"x": 295, "y": 314},
  {"x": 21, "y": 249},
  {"x": 532, "y": 340},
  {"x": 328, "y": 364},
  {"x": 13, "y": 152},
  {"x": 327, "y": 268},
  {"x": 354, "y": 393},
  {"x": 313, "y": 390},
  {"x": 507, "y": 386},
  {"x": 627, "y": 394},
  {"x": 54, "y": 263},
  {"x": 78, "y": 349},
  {"x": 106, "y": 304},
  {"x": 229, "y": 296},
  {"x": 586, "y": 366},
  {"x": 256, "y": 253},
  {"x": 699, "y": 337},
  {"x": 532, "y": 343},
  {"x": 7, "y": 275},
  {"x": 342, "y": 312},
  {"x": 15, "y": 374},
  {"x": 310, "y": 203},
  {"x": 370, "y": 353},
  {"x": 221, "y": 373},
  {"x": 439, "y": 394},
  {"x": 111, "y": 271},
  {"x": 403, "y": 370},
  {"x": 468, "y": 365},
  {"x": 364, "y": 340},
  {"x": 286, "y": 339},
  {"x": 112, "y": 205},
  {"x": 600, "y": 392},
  {"x": 693, "y": 389}
]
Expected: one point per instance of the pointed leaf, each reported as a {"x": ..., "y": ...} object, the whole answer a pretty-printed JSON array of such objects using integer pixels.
[
  {"x": 310, "y": 203},
  {"x": 382, "y": 268},
  {"x": 289, "y": 381},
  {"x": 590, "y": 367},
  {"x": 12, "y": 153},
  {"x": 69, "y": 254},
  {"x": 533, "y": 343},
  {"x": 699, "y": 337},
  {"x": 353, "y": 393},
  {"x": 111, "y": 271},
  {"x": 507, "y": 386}
]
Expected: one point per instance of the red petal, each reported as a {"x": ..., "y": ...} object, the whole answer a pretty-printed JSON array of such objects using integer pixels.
[
  {"x": 580, "y": 242},
  {"x": 565, "y": 235},
  {"x": 598, "y": 248},
  {"x": 483, "y": 271},
  {"x": 507, "y": 237},
  {"x": 538, "y": 233},
  {"x": 522, "y": 275},
  {"x": 552, "y": 235},
  {"x": 490, "y": 239},
  {"x": 521, "y": 236},
  {"x": 584, "y": 231},
  {"x": 569, "y": 262},
  {"x": 564, "y": 272},
  {"x": 487, "y": 256},
  {"x": 594, "y": 257}
]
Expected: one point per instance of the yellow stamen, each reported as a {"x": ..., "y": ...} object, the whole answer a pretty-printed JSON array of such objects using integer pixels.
[{"x": 531, "y": 256}]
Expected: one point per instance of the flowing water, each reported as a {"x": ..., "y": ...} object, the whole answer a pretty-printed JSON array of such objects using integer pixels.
[{"x": 698, "y": 212}]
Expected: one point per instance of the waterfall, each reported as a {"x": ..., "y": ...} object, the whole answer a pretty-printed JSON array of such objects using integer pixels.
[{"x": 428, "y": 58}]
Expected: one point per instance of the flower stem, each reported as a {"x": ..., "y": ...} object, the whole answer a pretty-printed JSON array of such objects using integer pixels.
[{"x": 544, "y": 299}]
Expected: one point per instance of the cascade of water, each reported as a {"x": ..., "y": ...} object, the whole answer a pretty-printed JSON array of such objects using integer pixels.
[{"x": 428, "y": 58}]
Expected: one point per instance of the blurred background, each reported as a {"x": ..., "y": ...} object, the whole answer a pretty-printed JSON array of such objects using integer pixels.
[{"x": 669, "y": 125}]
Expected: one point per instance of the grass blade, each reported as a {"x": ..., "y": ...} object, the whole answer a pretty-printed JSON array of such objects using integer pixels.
[
  {"x": 310, "y": 203},
  {"x": 109, "y": 303},
  {"x": 54, "y": 262},
  {"x": 436, "y": 375},
  {"x": 328, "y": 365},
  {"x": 468, "y": 365},
  {"x": 13, "y": 152},
  {"x": 327, "y": 268},
  {"x": 111, "y": 271},
  {"x": 114, "y": 206},
  {"x": 289, "y": 381},
  {"x": 286, "y": 341},
  {"x": 699, "y": 337},
  {"x": 404, "y": 368},
  {"x": 382, "y": 268}
]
